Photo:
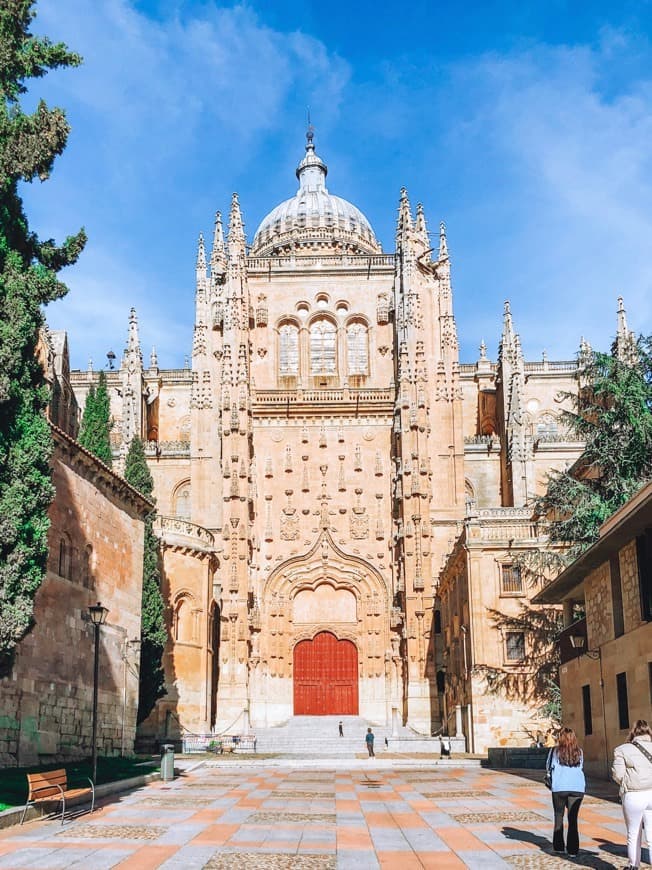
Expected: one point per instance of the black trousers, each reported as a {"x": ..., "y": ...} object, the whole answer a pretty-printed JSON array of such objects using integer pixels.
[{"x": 566, "y": 800}]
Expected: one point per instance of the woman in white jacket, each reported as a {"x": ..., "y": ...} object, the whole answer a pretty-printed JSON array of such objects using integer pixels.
[{"x": 632, "y": 770}]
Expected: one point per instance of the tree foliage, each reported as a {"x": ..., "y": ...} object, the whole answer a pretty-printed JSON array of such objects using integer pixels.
[
  {"x": 96, "y": 424},
  {"x": 152, "y": 634},
  {"x": 536, "y": 675},
  {"x": 29, "y": 144},
  {"x": 612, "y": 414}
]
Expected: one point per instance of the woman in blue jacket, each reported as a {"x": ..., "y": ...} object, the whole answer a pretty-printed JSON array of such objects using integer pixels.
[{"x": 565, "y": 762}]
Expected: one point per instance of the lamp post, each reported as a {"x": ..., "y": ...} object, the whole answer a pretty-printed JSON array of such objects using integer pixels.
[{"x": 97, "y": 614}]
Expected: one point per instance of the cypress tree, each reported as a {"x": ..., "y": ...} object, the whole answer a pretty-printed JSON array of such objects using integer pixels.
[
  {"x": 96, "y": 424},
  {"x": 29, "y": 144},
  {"x": 153, "y": 634}
]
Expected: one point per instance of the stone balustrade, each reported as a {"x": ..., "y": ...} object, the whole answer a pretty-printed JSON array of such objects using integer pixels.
[{"x": 168, "y": 528}]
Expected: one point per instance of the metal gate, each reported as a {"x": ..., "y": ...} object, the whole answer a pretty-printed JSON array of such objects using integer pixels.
[{"x": 325, "y": 677}]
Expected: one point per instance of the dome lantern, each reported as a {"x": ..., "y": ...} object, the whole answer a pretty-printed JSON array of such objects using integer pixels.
[{"x": 314, "y": 220}]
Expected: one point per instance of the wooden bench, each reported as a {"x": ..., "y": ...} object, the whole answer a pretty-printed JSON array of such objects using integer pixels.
[{"x": 52, "y": 785}]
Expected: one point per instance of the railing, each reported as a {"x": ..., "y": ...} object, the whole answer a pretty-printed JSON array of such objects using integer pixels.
[
  {"x": 167, "y": 448},
  {"x": 558, "y": 438},
  {"x": 481, "y": 439},
  {"x": 294, "y": 397},
  {"x": 266, "y": 264},
  {"x": 563, "y": 365},
  {"x": 504, "y": 524},
  {"x": 184, "y": 528},
  {"x": 218, "y": 743}
]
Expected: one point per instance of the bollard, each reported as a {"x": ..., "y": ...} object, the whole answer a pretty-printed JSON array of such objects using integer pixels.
[{"x": 167, "y": 762}]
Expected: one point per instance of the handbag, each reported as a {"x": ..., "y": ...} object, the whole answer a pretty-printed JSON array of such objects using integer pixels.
[{"x": 547, "y": 777}]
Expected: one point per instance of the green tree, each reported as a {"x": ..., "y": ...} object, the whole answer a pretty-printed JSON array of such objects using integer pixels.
[
  {"x": 96, "y": 424},
  {"x": 612, "y": 414},
  {"x": 29, "y": 144},
  {"x": 152, "y": 633}
]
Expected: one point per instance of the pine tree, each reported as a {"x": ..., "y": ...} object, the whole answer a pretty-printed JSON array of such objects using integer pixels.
[
  {"x": 29, "y": 144},
  {"x": 96, "y": 424},
  {"x": 153, "y": 634}
]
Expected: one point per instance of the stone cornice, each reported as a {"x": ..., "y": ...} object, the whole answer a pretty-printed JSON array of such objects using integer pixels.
[{"x": 100, "y": 474}]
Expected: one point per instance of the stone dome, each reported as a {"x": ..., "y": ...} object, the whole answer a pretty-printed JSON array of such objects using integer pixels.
[{"x": 314, "y": 219}]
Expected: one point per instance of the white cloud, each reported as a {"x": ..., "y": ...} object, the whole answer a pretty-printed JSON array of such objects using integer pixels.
[
  {"x": 578, "y": 171},
  {"x": 166, "y": 115}
]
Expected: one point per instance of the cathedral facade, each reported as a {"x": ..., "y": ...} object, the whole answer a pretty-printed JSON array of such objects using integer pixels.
[{"x": 316, "y": 463}]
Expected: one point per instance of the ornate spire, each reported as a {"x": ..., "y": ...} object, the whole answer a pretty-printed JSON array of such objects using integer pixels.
[
  {"x": 218, "y": 253},
  {"x": 236, "y": 226},
  {"x": 312, "y": 170},
  {"x": 507, "y": 346},
  {"x": 404, "y": 222},
  {"x": 625, "y": 344},
  {"x": 133, "y": 341},
  {"x": 153, "y": 359},
  {"x": 201, "y": 257},
  {"x": 443, "y": 244},
  {"x": 420, "y": 227}
]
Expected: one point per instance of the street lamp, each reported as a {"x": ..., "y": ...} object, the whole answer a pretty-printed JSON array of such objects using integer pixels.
[{"x": 97, "y": 614}]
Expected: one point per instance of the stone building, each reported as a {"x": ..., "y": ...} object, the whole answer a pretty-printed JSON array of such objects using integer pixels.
[
  {"x": 606, "y": 656},
  {"x": 95, "y": 553},
  {"x": 316, "y": 461}
]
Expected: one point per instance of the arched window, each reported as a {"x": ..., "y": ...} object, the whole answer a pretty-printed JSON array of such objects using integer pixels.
[
  {"x": 547, "y": 428},
  {"x": 288, "y": 358},
  {"x": 323, "y": 348},
  {"x": 181, "y": 501},
  {"x": 357, "y": 349},
  {"x": 184, "y": 620},
  {"x": 184, "y": 429},
  {"x": 64, "y": 568},
  {"x": 87, "y": 566}
]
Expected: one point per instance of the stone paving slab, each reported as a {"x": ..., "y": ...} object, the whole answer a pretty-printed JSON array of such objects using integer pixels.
[{"x": 280, "y": 818}]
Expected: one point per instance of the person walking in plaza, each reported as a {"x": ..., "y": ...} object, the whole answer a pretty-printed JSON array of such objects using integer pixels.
[
  {"x": 632, "y": 770},
  {"x": 566, "y": 765},
  {"x": 369, "y": 740},
  {"x": 341, "y": 729}
]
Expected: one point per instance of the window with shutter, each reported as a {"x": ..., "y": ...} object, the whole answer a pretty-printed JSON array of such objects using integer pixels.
[
  {"x": 323, "y": 348},
  {"x": 288, "y": 350},
  {"x": 356, "y": 349}
]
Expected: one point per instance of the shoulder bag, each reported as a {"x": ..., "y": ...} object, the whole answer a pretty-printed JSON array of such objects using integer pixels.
[
  {"x": 643, "y": 750},
  {"x": 547, "y": 778}
]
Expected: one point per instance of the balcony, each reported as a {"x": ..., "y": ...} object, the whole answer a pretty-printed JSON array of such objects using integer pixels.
[
  {"x": 573, "y": 641},
  {"x": 181, "y": 534}
]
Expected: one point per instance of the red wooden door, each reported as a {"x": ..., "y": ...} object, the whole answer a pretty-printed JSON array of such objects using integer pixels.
[{"x": 325, "y": 677}]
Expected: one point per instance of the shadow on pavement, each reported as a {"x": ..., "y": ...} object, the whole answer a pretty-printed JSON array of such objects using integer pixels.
[{"x": 584, "y": 859}]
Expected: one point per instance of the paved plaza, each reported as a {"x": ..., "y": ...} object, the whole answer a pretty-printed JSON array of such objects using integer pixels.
[{"x": 359, "y": 815}]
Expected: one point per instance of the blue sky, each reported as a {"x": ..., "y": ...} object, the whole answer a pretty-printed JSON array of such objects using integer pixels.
[{"x": 527, "y": 127}]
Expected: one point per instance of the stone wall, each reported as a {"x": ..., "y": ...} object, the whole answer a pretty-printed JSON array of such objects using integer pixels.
[
  {"x": 95, "y": 554},
  {"x": 599, "y": 606},
  {"x": 630, "y": 586}
]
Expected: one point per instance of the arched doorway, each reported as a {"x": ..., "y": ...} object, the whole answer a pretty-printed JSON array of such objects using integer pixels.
[{"x": 325, "y": 677}]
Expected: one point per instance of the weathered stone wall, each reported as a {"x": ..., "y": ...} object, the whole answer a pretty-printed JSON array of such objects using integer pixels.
[
  {"x": 630, "y": 586},
  {"x": 46, "y": 702},
  {"x": 599, "y": 606}
]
